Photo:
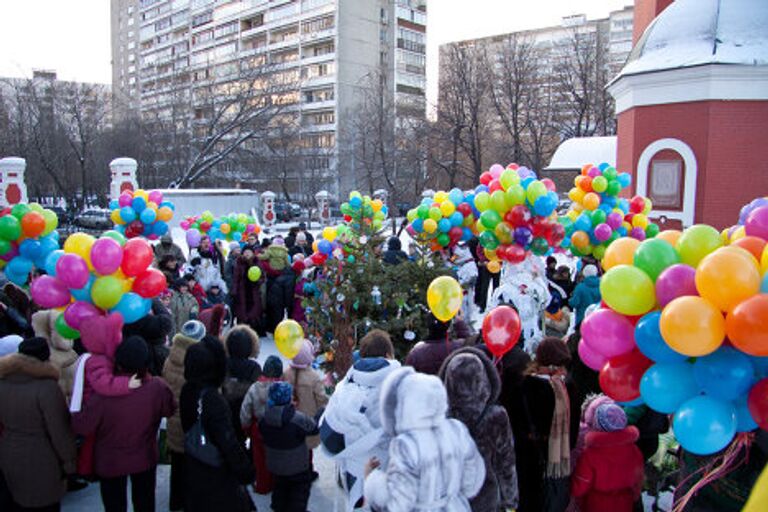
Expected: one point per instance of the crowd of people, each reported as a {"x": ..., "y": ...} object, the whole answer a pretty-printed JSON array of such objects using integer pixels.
[{"x": 449, "y": 428}]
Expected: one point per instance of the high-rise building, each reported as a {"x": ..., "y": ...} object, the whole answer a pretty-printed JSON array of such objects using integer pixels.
[{"x": 326, "y": 53}]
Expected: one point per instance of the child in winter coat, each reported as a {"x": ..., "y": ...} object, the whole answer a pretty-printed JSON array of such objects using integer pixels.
[
  {"x": 275, "y": 256},
  {"x": 308, "y": 387},
  {"x": 251, "y": 412},
  {"x": 609, "y": 473},
  {"x": 184, "y": 306},
  {"x": 284, "y": 430},
  {"x": 433, "y": 461}
]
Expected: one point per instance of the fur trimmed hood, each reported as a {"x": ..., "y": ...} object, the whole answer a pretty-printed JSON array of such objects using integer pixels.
[
  {"x": 44, "y": 325},
  {"x": 471, "y": 381},
  {"x": 20, "y": 364},
  {"x": 412, "y": 401}
]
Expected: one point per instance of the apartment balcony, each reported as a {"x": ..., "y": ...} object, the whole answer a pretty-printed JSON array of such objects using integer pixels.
[
  {"x": 319, "y": 80},
  {"x": 318, "y": 128},
  {"x": 327, "y": 57},
  {"x": 318, "y": 105},
  {"x": 314, "y": 37},
  {"x": 255, "y": 31}
]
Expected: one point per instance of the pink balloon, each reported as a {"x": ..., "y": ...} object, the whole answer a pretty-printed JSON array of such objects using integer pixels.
[
  {"x": 757, "y": 223},
  {"x": 73, "y": 271},
  {"x": 49, "y": 292},
  {"x": 79, "y": 311},
  {"x": 496, "y": 170},
  {"x": 603, "y": 232},
  {"x": 549, "y": 184},
  {"x": 156, "y": 196},
  {"x": 591, "y": 358},
  {"x": 106, "y": 256},
  {"x": 675, "y": 281},
  {"x": 608, "y": 333},
  {"x": 124, "y": 200},
  {"x": 614, "y": 220}
]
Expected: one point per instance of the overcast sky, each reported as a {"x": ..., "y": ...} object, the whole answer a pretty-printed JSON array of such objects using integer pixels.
[{"x": 72, "y": 36}]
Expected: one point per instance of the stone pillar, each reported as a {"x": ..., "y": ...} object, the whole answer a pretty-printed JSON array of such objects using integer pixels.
[
  {"x": 268, "y": 209},
  {"x": 323, "y": 199},
  {"x": 123, "y": 172},
  {"x": 12, "y": 187}
]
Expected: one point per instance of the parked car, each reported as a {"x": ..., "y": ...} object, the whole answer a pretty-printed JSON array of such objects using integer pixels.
[
  {"x": 61, "y": 213},
  {"x": 95, "y": 218},
  {"x": 283, "y": 212}
]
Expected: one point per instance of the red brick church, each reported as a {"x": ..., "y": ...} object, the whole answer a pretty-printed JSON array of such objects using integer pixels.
[{"x": 692, "y": 107}]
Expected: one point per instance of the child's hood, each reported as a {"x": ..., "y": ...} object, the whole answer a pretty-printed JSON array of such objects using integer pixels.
[{"x": 101, "y": 335}]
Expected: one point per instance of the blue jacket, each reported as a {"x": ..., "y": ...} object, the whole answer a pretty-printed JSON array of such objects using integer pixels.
[{"x": 586, "y": 293}]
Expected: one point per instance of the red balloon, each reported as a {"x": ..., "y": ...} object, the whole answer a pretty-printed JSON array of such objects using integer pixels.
[
  {"x": 494, "y": 186},
  {"x": 298, "y": 266},
  {"x": 620, "y": 377},
  {"x": 486, "y": 178},
  {"x": 464, "y": 209},
  {"x": 137, "y": 256},
  {"x": 319, "y": 258},
  {"x": 515, "y": 254},
  {"x": 637, "y": 204},
  {"x": 455, "y": 233},
  {"x": 758, "y": 403},
  {"x": 32, "y": 224},
  {"x": 150, "y": 283},
  {"x": 134, "y": 229},
  {"x": 501, "y": 330},
  {"x": 539, "y": 227},
  {"x": 549, "y": 184},
  {"x": 347, "y": 218},
  {"x": 205, "y": 226},
  {"x": 519, "y": 216},
  {"x": 556, "y": 234}
]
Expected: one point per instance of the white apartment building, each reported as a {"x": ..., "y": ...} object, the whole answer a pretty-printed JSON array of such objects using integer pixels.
[{"x": 328, "y": 48}]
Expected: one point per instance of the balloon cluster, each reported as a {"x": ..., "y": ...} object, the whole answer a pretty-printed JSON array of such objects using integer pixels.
[
  {"x": 141, "y": 213},
  {"x": 597, "y": 217},
  {"x": 444, "y": 219},
  {"x": 363, "y": 214},
  {"x": 330, "y": 244},
  {"x": 27, "y": 237},
  {"x": 93, "y": 277},
  {"x": 753, "y": 221},
  {"x": 233, "y": 227},
  {"x": 517, "y": 215},
  {"x": 684, "y": 329}
]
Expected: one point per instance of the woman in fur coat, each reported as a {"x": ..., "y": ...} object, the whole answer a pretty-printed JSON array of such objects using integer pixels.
[
  {"x": 433, "y": 461},
  {"x": 473, "y": 387}
]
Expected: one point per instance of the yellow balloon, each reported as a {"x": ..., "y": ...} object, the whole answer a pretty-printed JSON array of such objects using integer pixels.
[
  {"x": 329, "y": 233},
  {"x": 738, "y": 233},
  {"x": 142, "y": 194},
  {"x": 573, "y": 215},
  {"x": 80, "y": 244},
  {"x": 692, "y": 326},
  {"x": 490, "y": 255},
  {"x": 764, "y": 260},
  {"x": 164, "y": 213},
  {"x": 430, "y": 226},
  {"x": 670, "y": 236},
  {"x": 493, "y": 267},
  {"x": 576, "y": 195},
  {"x": 640, "y": 221},
  {"x": 440, "y": 196},
  {"x": 591, "y": 201},
  {"x": 289, "y": 337},
  {"x": 447, "y": 208},
  {"x": 444, "y": 297},
  {"x": 620, "y": 252},
  {"x": 376, "y": 204},
  {"x": 727, "y": 277},
  {"x": 115, "y": 217}
]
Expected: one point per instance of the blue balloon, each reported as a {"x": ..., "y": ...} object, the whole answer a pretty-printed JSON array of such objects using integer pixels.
[
  {"x": 603, "y": 166},
  {"x": 148, "y": 216},
  {"x": 49, "y": 244},
  {"x": 325, "y": 247},
  {"x": 457, "y": 219},
  {"x": 54, "y": 235},
  {"x": 481, "y": 188},
  {"x": 418, "y": 225},
  {"x": 427, "y": 201},
  {"x": 160, "y": 228},
  {"x": 625, "y": 179},
  {"x": 744, "y": 420},
  {"x": 114, "y": 204},
  {"x": 356, "y": 202},
  {"x": 470, "y": 199},
  {"x": 583, "y": 223},
  {"x": 725, "y": 374},
  {"x": 764, "y": 284},
  {"x": 444, "y": 225},
  {"x": 236, "y": 235},
  {"x": 167, "y": 204},
  {"x": 650, "y": 342},
  {"x": 622, "y": 231},
  {"x": 17, "y": 279},
  {"x": 760, "y": 365},
  {"x": 50, "y": 262},
  {"x": 30, "y": 249},
  {"x": 128, "y": 214},
  {"x": 132, "y": 307},
  {"x": 20, "y": 266},
  {"x": 624, "y": 205},
  {"x": 466, "y": 234},
  {"x": 566, "y": 243},
  {"x": 385, "y": 210},
  {"x": 705, "y": 425},
  {"x": 543, "y": 206},
  {"x": 84, "y": 293},
  {"x": 634, "y": 403},
  {"x": 527, "y": 181},
  {"x": 666, "y": 386},
  {"x": 138, "y": 204}
]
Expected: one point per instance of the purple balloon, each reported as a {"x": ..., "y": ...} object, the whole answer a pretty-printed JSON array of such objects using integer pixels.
[
  {"x": 49, "y": 292},
  {"x": 106, "y": 257},
  {"x": 193, "y": 238},
  {"x": 757, "y": 223},
  {"x": 124, "y": 200},
  {"x": 594, "y": 172},
  {"x": 79, "y": 311},
  {"x": 603, "y": 232},
  {"x": 676, "y": 281},
  {"x": 591, "y": 358},
  {"x": 608, "y": 333},
  {"x": 614, "y": 220},
  {"x": 637, "y": 234},
  {"x": 73, "y": 271},
  {"x": 523, "y": 236}
]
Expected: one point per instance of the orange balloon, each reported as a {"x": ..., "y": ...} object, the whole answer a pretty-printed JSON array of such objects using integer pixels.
[
  {"x": 747, "y": 325},
  {"x": 580, "y": 239},
  {"x": 670, "y": 235},
  {"x": 727, "y": 276},
  {"x": 753, "y": 244},
  {"x": 591, "y": 201},
  {"x": 692, "y": 326},
  {"x": 620, "y": 252},
  {"x": 32, "y": 224},
  {"x": 493, "y": 267}
]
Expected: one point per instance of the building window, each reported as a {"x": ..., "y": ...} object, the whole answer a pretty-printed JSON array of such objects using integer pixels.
[
  {"x": 665, "y": 181},
  {"x": 202, "y": 19},
  {"x": 325, "y": 69},
  {"x": 226, "y": 29},
  {"x": 411, "y": 40},
  {"x": 285, "y": 35},
  {"x": 202, "y": 37},
  {"x": 316, "y": 25},
  {"x": 319, "y": 118}
]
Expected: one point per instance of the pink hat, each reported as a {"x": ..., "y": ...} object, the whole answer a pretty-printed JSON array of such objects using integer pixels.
[
  {"x": 590, "y": 408},
  {"x": 305, "y": 356}
]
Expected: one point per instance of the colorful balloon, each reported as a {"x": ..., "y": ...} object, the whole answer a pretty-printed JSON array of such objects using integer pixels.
[
  {"x": 289, "y": 337},
  {"x": 727, "y": 276},
  {"x": 444, "y": 297},
  {"x": 501, "y": 330},
  {"x": 705, "y": 425},
  {"x": 628, "y": 290},
  {"x": 692, "y": 326}
]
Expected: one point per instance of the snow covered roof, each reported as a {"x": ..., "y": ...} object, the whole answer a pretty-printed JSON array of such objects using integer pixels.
[
  {"x": 575, "y": 153},
  {"x": 697, "y": 32}
]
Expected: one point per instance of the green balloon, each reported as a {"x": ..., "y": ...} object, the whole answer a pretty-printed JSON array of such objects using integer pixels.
[
  {"x": 114, "y": 235},
  {"x": 652, "y": 230},
  {"x": 443, "y": 239},
  {"x": 628, "y": 290},
  {"x": 609, "y": 173},
  {"x": 106, "y": 292},
  {"x": 598, "y": 217},
  {"x": 435, "y": 213},
  {"x": 488, "y": 240},
  {"x": 351, "y": 258},
  {"x": 412, "y": 215},
  {"x": 5, "y": 247},
  {"x": 490, "y": 218},
  {"x": 654, "y": 255},
  {"x": 20, "y": 210},
  {"x": 482, "y": 201},
  {"x": 693, "y": 245},
  {"x": 51, "y": 222},
  {"x": 598, "y": 251},
  {"x": 535, "y": 190},
  {"x": 10, "y": 229},
  {"x": 65, "y": 330},
  {"x": 423, "y": 212},
  {"x": 254, "y": 273},
  {"x": 515, "y": 195},
  {"x": 614, "y": 188},
  {"x": 539, "y": 246},
  {"x": 499, "y": 201}
]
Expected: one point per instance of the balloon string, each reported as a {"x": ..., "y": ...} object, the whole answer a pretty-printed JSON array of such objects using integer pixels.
[{"x": 721, "y": 466}]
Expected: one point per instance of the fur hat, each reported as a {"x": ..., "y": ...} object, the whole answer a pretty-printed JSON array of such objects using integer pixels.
[
  {"x": 213, "y": 319},
  {"x": 273, "y": 367},
  {"x": 166, "y": 239},
  {"x": 242, "y": 342},
  {"x": 193, "y": 329},
  {"x": 280, "y": 393},
  {"x": 471, "y": 381},
  {"x": 305, "y": 356},
  {"x": 552, "y": 352},
  {"x": 411, "y": 400},
  {"x": 301, "y": 237},
  {"x": 610, "y": 418},
  {"x": 590, "y": 405},
  {"x": 133, "y": 354},
  {"x": 206, "y": 362},
  {"x": 36, "y": 347}
]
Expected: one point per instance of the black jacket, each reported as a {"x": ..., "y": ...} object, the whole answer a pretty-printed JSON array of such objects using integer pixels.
[
  {"x": 284, "y": 431},
  {"x": 155, "y": 329}
]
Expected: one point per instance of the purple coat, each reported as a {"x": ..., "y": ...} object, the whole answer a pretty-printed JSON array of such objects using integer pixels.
[
  {"x": 297, "y": 313},
  {"x": 247, "y": 307},
  {"x": 125, "y": 427}
]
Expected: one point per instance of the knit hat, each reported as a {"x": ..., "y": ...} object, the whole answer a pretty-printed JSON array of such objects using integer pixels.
[
  {"x": 132, "y": 355},
  {"x": 36, "y": 347},
  {"x": 193, "y": 329},
  {"x": 278, "y": 240},
  {"x": 301, "y": 237},
  {"x": 280, "y": 393},
  {"x": 552, "y": 352},
  {"x": 589, "y": 408},
  {"x": 305, "y": 356},
  {"x": 610, "y": 418},
  {"x": 589, "y": 271},
  {"x": 273, "y": 367},
  {"x": 233, "y": 246}
]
